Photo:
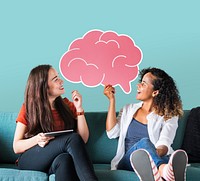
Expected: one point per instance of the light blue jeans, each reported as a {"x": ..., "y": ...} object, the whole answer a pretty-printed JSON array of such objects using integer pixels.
[{"x": 146, "y": 144}]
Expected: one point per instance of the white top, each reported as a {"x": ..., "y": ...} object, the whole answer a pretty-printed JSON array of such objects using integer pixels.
[{"x": 161, "y": 132}]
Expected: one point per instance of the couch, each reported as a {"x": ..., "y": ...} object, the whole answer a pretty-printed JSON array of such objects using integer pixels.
[{"x": 100, "y": 148}]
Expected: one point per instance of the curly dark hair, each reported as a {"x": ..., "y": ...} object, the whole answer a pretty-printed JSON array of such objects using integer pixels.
[{"x": 168, "y": 101}]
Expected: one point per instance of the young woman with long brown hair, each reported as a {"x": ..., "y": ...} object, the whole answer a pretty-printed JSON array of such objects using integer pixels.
[{"x": 44, "y": 110}]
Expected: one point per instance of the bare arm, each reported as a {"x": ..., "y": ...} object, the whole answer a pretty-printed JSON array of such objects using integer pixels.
[
  {"x": 82, "y": 126},
  {"x": 111, "y": 120},
  {"x": 20, "y": 144}
]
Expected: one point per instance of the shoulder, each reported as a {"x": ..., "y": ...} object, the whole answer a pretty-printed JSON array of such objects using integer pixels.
[
  {"x": 66, "y": 100},
  {"x": 22, "y": 115},
  {"x": 132, "y": 106},
  {"x": 70, "y": 104},
  {"x": 130, "y": 109},
  {"x": 157, "y": 118}
]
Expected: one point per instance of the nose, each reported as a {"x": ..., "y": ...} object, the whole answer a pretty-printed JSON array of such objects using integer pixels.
[{"x": 138, "y": 85}]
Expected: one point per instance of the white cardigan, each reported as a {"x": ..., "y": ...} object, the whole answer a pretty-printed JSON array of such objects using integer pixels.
[{"x": 161, "y": 132}]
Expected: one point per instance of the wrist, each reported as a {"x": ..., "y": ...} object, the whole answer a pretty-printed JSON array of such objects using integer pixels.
[
  {"x": 112, "y": 101},
  {"x": 79, "y": 109},
  {"x": 80, "y": 113}
]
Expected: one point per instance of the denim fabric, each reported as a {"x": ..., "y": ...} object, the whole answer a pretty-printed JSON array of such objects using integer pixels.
[{"x": 146, "y": 144}]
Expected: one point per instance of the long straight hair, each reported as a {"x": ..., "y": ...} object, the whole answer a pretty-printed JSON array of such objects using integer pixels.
[{"x": 38, "y": 110}]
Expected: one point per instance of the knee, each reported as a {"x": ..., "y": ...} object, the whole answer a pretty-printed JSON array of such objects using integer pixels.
[
  {"x": 145, "y": 142},
  {"x": 63, "y": 160},
  {"x": 75, "y": 137}
]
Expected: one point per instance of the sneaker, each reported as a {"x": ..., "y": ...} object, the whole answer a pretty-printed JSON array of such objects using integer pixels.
[
  {"x": 144, "y": 166},
  {"x": 178, "y": 163}
]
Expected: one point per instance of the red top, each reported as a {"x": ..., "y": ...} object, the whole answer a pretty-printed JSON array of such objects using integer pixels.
[{"x": 58, "y": 122}]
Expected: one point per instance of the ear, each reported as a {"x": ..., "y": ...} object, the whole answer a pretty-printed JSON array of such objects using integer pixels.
[{"x": 155, "y": 93}]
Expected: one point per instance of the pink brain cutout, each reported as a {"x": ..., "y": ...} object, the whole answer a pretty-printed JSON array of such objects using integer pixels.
[{"x": 101, "y": 58}]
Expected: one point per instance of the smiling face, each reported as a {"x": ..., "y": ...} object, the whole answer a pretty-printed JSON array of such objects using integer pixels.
[
  {"x": 55, "y": 85},
  {"x": 145, "y": 89}
]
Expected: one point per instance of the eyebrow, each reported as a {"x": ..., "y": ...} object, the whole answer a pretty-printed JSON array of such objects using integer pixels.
[
  {"x": 54, "y": 77},
  {"x": 146, "y": 82}
]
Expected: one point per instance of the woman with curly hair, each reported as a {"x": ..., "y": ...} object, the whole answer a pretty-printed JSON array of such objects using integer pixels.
[{"x": 146, "y": 130}]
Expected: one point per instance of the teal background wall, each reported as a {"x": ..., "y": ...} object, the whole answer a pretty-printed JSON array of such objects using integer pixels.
[{"x": 39, "y": 32}]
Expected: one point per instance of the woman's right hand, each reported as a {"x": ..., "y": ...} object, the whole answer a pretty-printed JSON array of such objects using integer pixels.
[
  {"x": 43, "y": 140},
  {"x": 109, "y": 91}
]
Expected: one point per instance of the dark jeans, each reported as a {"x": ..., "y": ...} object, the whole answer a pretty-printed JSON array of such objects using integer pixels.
[
  {"x": 66, "y": 156},
  {"x": 146, "y": 144}
]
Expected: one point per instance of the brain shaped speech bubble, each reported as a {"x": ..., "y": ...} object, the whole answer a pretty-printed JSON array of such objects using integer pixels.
[{"x": 101, "y": 58}]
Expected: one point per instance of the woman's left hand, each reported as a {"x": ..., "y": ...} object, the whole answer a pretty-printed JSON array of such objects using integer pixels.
[{"x": 77, "y": 100}]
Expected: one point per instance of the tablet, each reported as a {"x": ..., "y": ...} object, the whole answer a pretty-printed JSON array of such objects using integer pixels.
[{"x": 58, "y": 133}]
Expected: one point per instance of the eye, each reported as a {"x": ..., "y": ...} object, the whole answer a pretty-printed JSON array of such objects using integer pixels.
[
  {"x": 144, "y": 84},
  {"x": 55, "y": 79}
]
